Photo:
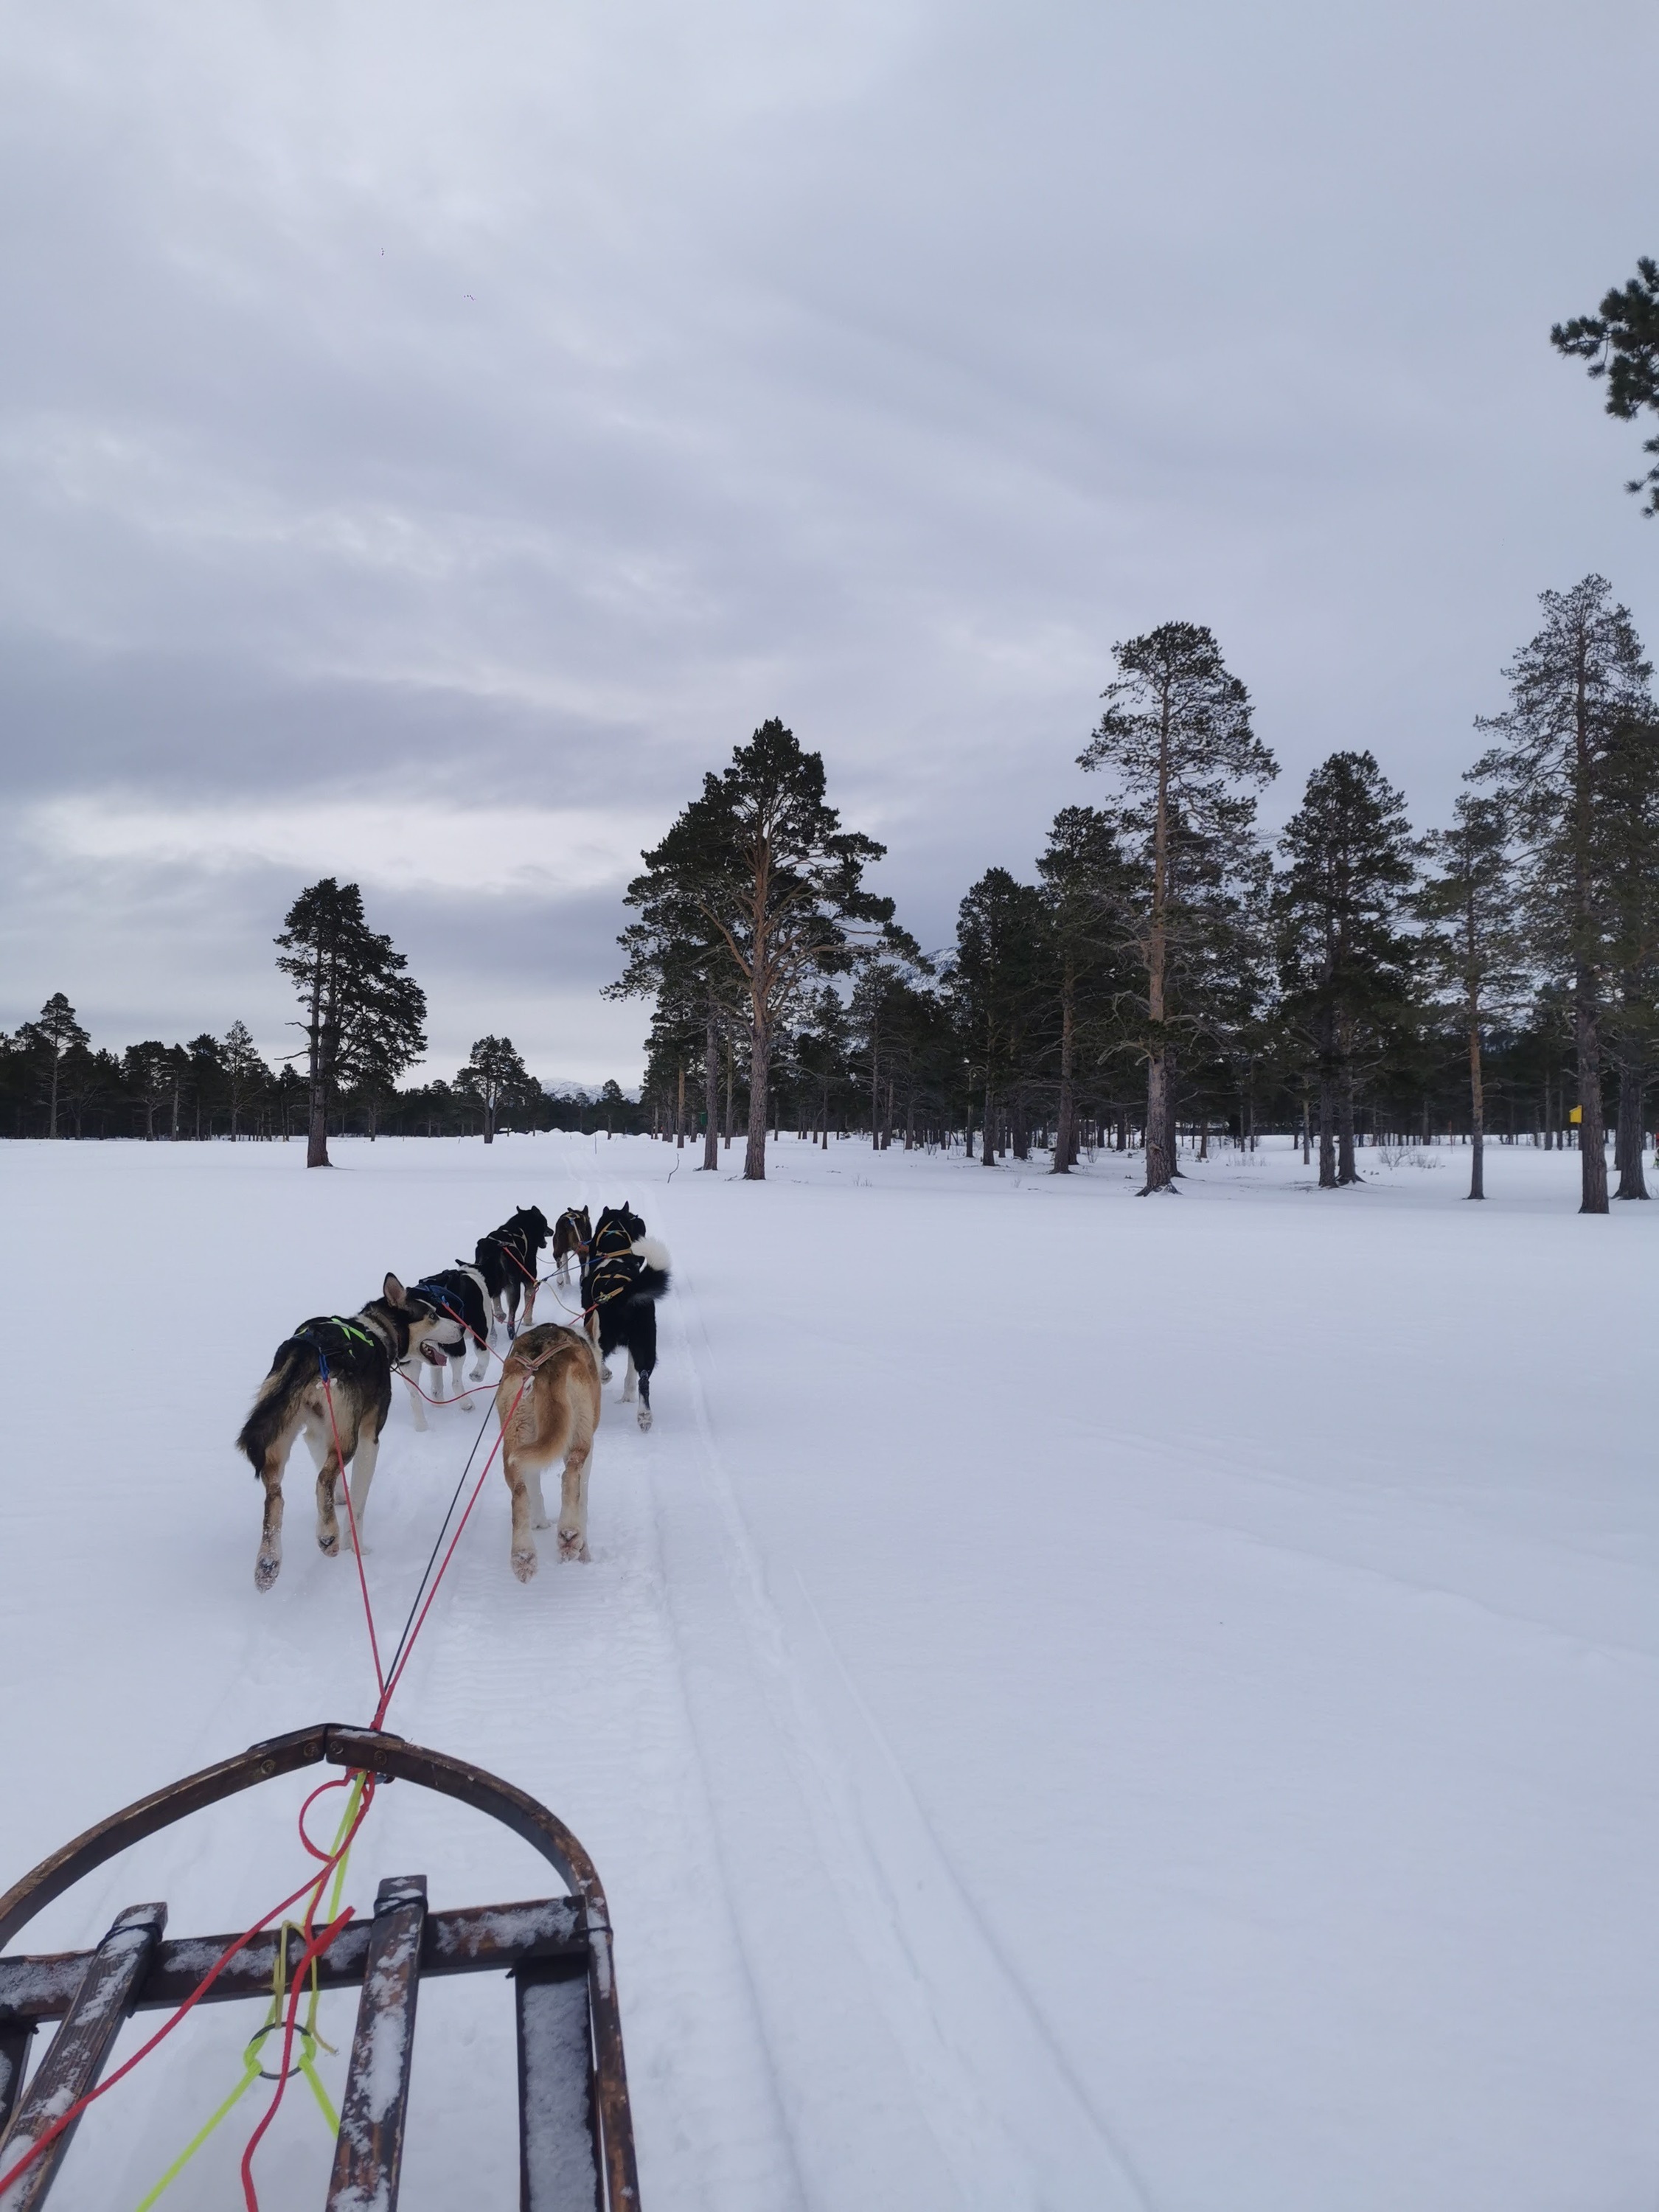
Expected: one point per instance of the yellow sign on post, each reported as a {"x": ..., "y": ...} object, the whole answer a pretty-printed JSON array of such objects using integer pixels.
[{"x": 1575, "y": 1114}]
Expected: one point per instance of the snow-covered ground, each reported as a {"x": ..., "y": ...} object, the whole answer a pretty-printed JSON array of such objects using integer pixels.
[{"x": 1077, "y": 1703}]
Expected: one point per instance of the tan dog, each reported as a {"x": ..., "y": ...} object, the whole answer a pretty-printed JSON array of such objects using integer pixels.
[{"x": 548, "y": 1403}]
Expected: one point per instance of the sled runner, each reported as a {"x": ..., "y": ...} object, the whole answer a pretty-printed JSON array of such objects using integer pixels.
[{"x": 575, "y": 2132}]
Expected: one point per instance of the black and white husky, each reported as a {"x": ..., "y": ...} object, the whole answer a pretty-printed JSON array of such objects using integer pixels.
[
  {"x": 459, "y": 1295},
  {"x": 508, "y": 1258},
  {"x": 625, "y": 1273},
  {"x": 330, "y": 1380}
]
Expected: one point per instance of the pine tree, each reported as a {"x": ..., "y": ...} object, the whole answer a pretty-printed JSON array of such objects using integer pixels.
[
  {"x": 1621, "y": 345},
  {"x": 247, "y": 1075},
  {"x": 55, "y": 1032},
  {"x": 996, "y": 983},
  {"x": 357, "y": 995},
  {"x": 1176, "y": 730},
  {"x": 1574, "y": 691},
  {"x": 759, "y": 866},
  {"x": 147, "y": 1070},
  {"x": 1343, "y": 966},
  {"x": 1472, "y": 944},
  {"x": 496, "y": 1076},
  {"x": 1087, "y": 886},
  {"x": 382, "y": 1038}
]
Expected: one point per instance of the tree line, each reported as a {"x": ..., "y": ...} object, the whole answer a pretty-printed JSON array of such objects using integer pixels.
[
  {"x": 1167, "y": 973},
  {"x": 361, "y": 1022}
]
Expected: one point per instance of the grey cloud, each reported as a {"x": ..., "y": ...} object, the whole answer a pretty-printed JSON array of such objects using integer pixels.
[{"x": 873, "y": 366}]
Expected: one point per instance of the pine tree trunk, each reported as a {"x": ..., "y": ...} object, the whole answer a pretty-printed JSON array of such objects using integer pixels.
[
  {"x": 760, "y": 1054},
  {"x": 489, "y": 1115},
  {"x": 679, "y": 1114},
  {"x": 1171, "y": 1120},
  {"x": 52, "y": 1111},
  {"x": 1632, "y": 1183},
  {"x": 987, "y": 1147},
  {"x": 1062, "y": 1164},
  {"x": 1327, "y": 1128},
  {"x": 1477, "y": 1110},
  {"x": 1592, "y": 1135},
  {"x": 711, "y": 1092},
  {"x": 1346, "y": 1172},
  {"x": 1159, "y": 1167},
  {"x": 317, "y": 1135}
]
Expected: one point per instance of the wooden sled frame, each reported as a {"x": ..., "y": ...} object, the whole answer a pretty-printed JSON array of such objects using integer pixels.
[{"x": 573, "y": 2084}]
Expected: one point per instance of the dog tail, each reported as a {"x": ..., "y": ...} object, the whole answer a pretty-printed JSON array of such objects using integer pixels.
[
  {"x": 292, "y": 1372},
  {"x": 653, "y": 1276}
]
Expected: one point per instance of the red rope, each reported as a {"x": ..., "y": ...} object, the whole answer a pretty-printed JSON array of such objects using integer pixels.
[
  {"x": 356, "y": 1547},
  {"x": 316, "y": 1941},
  {"x": 312, "y": 1888},
  {"x": 397, "y": 1671}
]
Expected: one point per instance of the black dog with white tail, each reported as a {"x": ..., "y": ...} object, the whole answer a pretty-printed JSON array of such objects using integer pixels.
[{"x": 625, "y": 1273}]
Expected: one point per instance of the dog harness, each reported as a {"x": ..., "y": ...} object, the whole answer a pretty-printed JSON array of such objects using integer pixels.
[{"x": 347, "y": 1328}]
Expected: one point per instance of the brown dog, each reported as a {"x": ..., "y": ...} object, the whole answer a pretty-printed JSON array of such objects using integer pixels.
[{"x": 548, "y": 1403}]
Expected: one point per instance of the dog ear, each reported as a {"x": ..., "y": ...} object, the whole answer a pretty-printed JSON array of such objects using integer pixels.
[{"x": 394, "y": 1294}]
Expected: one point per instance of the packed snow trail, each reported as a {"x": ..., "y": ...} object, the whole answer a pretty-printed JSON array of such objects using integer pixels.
[{"x": 1076, "y": 1703}]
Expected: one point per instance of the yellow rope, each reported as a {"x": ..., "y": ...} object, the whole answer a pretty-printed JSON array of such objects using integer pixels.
[{"x": 309, "y": 2038}]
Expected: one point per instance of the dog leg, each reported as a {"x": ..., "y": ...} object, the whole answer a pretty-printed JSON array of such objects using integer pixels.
[
  {"x": 538, "y": 1505},
  {"x": 572, "y": 1505},
  {"x": 525, "y": 1561},
  {"x": 363, "y": 1473},
  {"x": 628, "y": 1384},
  {"x": 481, "y": 1365},
  {"x": 645, "y": 1397},
  {"x": 328, "y": 1528},
  {"x": 530, "y": 1291},
  {"x": 416, "y": 1403},
  {"x": 269, "y": 1565},
  {"x": 457, "y": 1362}
]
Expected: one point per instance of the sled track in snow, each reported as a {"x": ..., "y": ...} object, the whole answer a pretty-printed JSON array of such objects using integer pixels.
[{"x": 881, "y": 1977}]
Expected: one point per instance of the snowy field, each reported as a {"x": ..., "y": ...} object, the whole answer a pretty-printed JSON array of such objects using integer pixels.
[{"x": 1077, "y": 1703}]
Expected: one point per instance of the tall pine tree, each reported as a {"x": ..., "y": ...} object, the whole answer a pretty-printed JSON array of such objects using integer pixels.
[
  {"x": 1575, "y": 691},
  {"x": 357, "y": 997},
  {"x": 1471, "y": 944},
  {"x": 759, "y": 866},
  {"x": 1177, "y": 731},
  {"x": 1345, "y": 966}
]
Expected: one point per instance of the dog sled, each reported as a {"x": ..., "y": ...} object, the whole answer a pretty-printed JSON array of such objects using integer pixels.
[{"x": 576, "y": 2131}]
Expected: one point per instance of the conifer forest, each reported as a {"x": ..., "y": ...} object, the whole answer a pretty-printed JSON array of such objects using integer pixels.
[{"x": 1164, "y": 978}]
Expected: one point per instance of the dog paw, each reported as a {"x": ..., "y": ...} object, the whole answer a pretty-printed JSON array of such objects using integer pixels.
[
  {"x": 265, "y": 1570},
  {"x": 605, "y": 1374},
  {"x": 524, "y": 1566},
  {"x": 465, "y": 1404},
  {"x": 572, "y": 1546},
  {"x": 328, "y": 1546},
  {"x": 645, "y": 1417}
]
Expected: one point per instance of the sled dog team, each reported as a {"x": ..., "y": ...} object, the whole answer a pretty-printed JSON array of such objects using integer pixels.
[{"x": 330, "y": 1381}]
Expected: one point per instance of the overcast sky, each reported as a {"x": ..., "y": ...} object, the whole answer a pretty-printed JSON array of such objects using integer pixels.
[{"x": 431, "y": 435}]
